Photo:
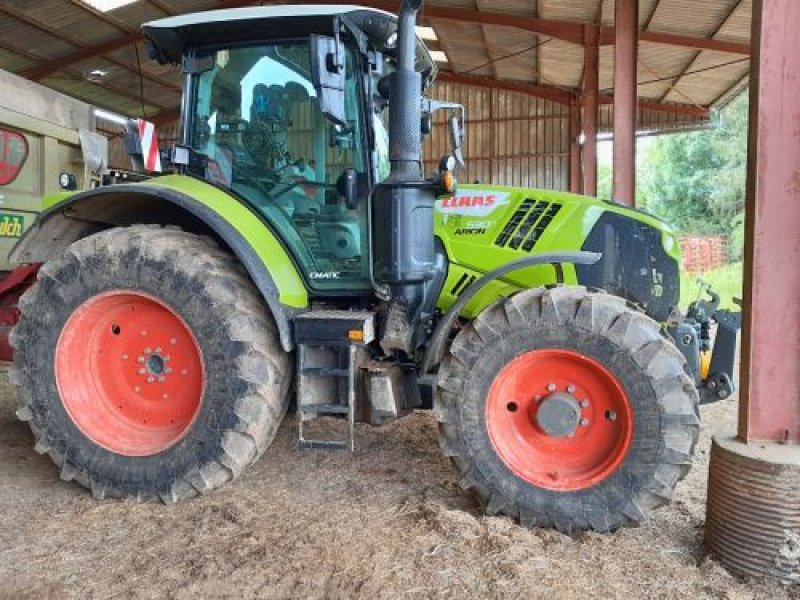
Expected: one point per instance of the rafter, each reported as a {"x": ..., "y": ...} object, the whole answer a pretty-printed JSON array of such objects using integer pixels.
[
  {"x": 569, "y": 31},
  {"x": 78, "y": 76},
  {"x": 547, "y": 92},
  {"x": 44, "y": 69},
  {"x": 688, "y": 66},
  {"x": 668, "y": 107}
]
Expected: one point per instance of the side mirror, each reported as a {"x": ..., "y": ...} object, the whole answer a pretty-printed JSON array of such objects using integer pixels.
[
  {"x": 454, "y": 123},
  {"x": 328, "y": 76},
  {"x": 456, "y": 138}
]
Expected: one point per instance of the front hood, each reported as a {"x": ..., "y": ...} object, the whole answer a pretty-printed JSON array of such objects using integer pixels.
[{"x": 483, "y": 227}]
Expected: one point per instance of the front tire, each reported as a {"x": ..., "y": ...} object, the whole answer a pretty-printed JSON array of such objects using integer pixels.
[
  {"x": 567, "y": 408},
  {"x": 147, "y": 365}
]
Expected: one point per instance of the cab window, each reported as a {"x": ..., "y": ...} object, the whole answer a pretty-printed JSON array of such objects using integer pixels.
[{"x": 257, "y": 119}]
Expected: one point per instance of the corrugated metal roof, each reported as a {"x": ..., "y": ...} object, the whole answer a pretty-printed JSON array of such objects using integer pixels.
[{"x": 536, "y": 42}]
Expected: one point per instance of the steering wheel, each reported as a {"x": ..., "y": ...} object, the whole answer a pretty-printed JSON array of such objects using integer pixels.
[{"x": 265, "y": 139}]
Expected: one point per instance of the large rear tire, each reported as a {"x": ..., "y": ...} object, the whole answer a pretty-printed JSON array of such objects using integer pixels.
[
  {"x": 567, "y": 408},
  {"x": 147, "y": 365}
]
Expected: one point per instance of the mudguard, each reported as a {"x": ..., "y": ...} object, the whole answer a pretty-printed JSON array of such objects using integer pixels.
[{"x": 175, "y": 200}]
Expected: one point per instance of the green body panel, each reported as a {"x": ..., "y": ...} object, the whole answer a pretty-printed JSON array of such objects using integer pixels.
[
  {"x": 291, "y": 289},
  {"x": 471, "y": 222}
]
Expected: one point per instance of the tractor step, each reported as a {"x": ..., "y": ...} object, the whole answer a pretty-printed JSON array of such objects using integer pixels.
[{"x": 328, "y": 343}]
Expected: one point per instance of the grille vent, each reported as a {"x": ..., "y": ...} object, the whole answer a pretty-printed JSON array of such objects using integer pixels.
[
  {"x": 527, "y": 224},
  {"x": 463, "y": 283}
]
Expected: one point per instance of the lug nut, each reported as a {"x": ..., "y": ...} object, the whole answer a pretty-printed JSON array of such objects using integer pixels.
[
  {"x": 124, "y": 357},
  {"x": 161, "y": 379},
  {"x": 584, "y": 422},
  {"x": 551, "y": 387},
  {"x": 571, "y": 388},
  {"x": 167, "y": 370},
  {"x": 150, "y": 379},
  {"x": 158, "y": 350},
  {"x": 147, "y": 350},
  {"x": 173, "y": 341},
  {"x": 142, "y": 371},
  {"x": 137, "y": 389},
  {"x": 140, "y": 359},
  {"x": 165, "y": 396},
  {"x": 184, "y": 371},
  {"x": 584, "y": 403}
]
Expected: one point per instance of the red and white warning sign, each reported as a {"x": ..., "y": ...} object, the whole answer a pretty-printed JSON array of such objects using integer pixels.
[{"x": 149, "y": 141}]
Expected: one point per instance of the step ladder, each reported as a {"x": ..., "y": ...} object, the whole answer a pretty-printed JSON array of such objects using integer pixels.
[{"x": 329, "y": 343}]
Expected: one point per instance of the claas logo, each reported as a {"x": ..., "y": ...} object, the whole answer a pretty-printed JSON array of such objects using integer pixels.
[
  {"x": 471, "y": 203},
  {"x": 11, "y": 225},
  {"x": 461, "y": 201}
]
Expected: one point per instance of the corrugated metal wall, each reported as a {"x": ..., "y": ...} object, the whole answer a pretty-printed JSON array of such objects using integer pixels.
[{"x": 512, "y": 138}]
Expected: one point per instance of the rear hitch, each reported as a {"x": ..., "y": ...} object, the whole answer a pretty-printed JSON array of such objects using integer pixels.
[{"x": 711, "y": 365}]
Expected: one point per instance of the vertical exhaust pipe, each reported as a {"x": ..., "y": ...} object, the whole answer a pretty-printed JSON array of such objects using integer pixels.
[
  {"x": 405, "y": 109},
  {"x": 402, "y": 209}
]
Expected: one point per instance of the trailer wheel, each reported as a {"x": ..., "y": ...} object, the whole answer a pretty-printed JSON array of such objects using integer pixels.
[
  {"x": 567, "y": 408},
  {"x": 147, "y": 365}
]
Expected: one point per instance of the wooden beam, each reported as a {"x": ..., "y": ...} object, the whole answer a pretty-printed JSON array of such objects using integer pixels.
[
  {"x": 688, "y": 66},
  {"x": 680, "y": 109},
  {"x": 51, "y": 66},
  {"x": 47, "y": 68},
  {"x": 686, "y": 41},
  {"x": 546, "y": 92},
  {"x": 569, "y": 31},
  {"x": 78, "y": 76}
]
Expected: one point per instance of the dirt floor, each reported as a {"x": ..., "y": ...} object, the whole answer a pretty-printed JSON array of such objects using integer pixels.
[{"x": 389, "y": 521}]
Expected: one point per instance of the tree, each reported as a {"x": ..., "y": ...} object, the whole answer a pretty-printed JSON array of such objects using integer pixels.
[{"x": 696, "y": 180}]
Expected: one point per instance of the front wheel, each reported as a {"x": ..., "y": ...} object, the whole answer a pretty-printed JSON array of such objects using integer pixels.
[
  {"x": 147, "y": 366},
  {"x": 567, "y": 408}
]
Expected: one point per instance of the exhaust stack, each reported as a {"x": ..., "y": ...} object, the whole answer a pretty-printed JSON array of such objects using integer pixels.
[
  {"x": 402, "y": 211},
  {"x": 405, "y": 108}
]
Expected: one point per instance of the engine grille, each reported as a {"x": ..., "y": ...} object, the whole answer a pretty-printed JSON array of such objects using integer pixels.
[{"x": 527, "y": 224}]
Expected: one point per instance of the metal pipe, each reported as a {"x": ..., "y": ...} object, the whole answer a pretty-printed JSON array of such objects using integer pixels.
[
  {"x": 405, "y": 110},
  {"x": 770, "y": 401},
  {"x": 590, "y": 94},
  {"x": 626, "y": 32}
]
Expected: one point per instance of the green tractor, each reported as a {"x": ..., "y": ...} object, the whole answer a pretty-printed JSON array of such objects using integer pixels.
[{"x": 298, "y": 251}]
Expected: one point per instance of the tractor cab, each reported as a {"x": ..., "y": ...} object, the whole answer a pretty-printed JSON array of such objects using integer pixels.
[{"x": 288, "y": 115}]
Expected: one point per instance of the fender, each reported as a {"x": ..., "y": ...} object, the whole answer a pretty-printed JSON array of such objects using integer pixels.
[
  {"x": 186, "y": 202},
  {"x": 436, "y": 345}
]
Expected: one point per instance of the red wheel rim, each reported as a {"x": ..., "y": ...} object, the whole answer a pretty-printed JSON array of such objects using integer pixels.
[
  {"x": 129, "y": 372},
  {"x": 594, "y": 419}
]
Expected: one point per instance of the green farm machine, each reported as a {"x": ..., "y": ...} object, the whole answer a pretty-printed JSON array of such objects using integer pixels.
[{"x": 298, "y": 252}]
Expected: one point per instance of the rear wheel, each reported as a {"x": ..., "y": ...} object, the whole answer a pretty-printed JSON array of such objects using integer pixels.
[
  {"x": 567, "y": 408},
  {"x": 147, "y": 366}
]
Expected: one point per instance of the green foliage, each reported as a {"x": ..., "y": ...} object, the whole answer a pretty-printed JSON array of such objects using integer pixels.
[
  {"x": 726, "y": 281},
  {"x": 736, "y": 238},
  {"x": 696, "y": 180},
  {"x": 605, "y": 182}
]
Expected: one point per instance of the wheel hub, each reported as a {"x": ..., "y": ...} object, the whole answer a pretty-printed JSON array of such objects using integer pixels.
[
  {"x": 129, "y": 372},
  {"x": 558, "y": 415},
  {"x": 559, "y": 419},
  {"x": 156, "y": 364}
]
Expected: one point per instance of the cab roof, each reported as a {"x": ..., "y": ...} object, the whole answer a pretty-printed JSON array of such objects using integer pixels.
[{"x": 173, "y": 35}]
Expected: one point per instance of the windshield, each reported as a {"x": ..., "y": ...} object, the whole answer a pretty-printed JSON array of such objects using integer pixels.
[{"x": 257, "y": 119}]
